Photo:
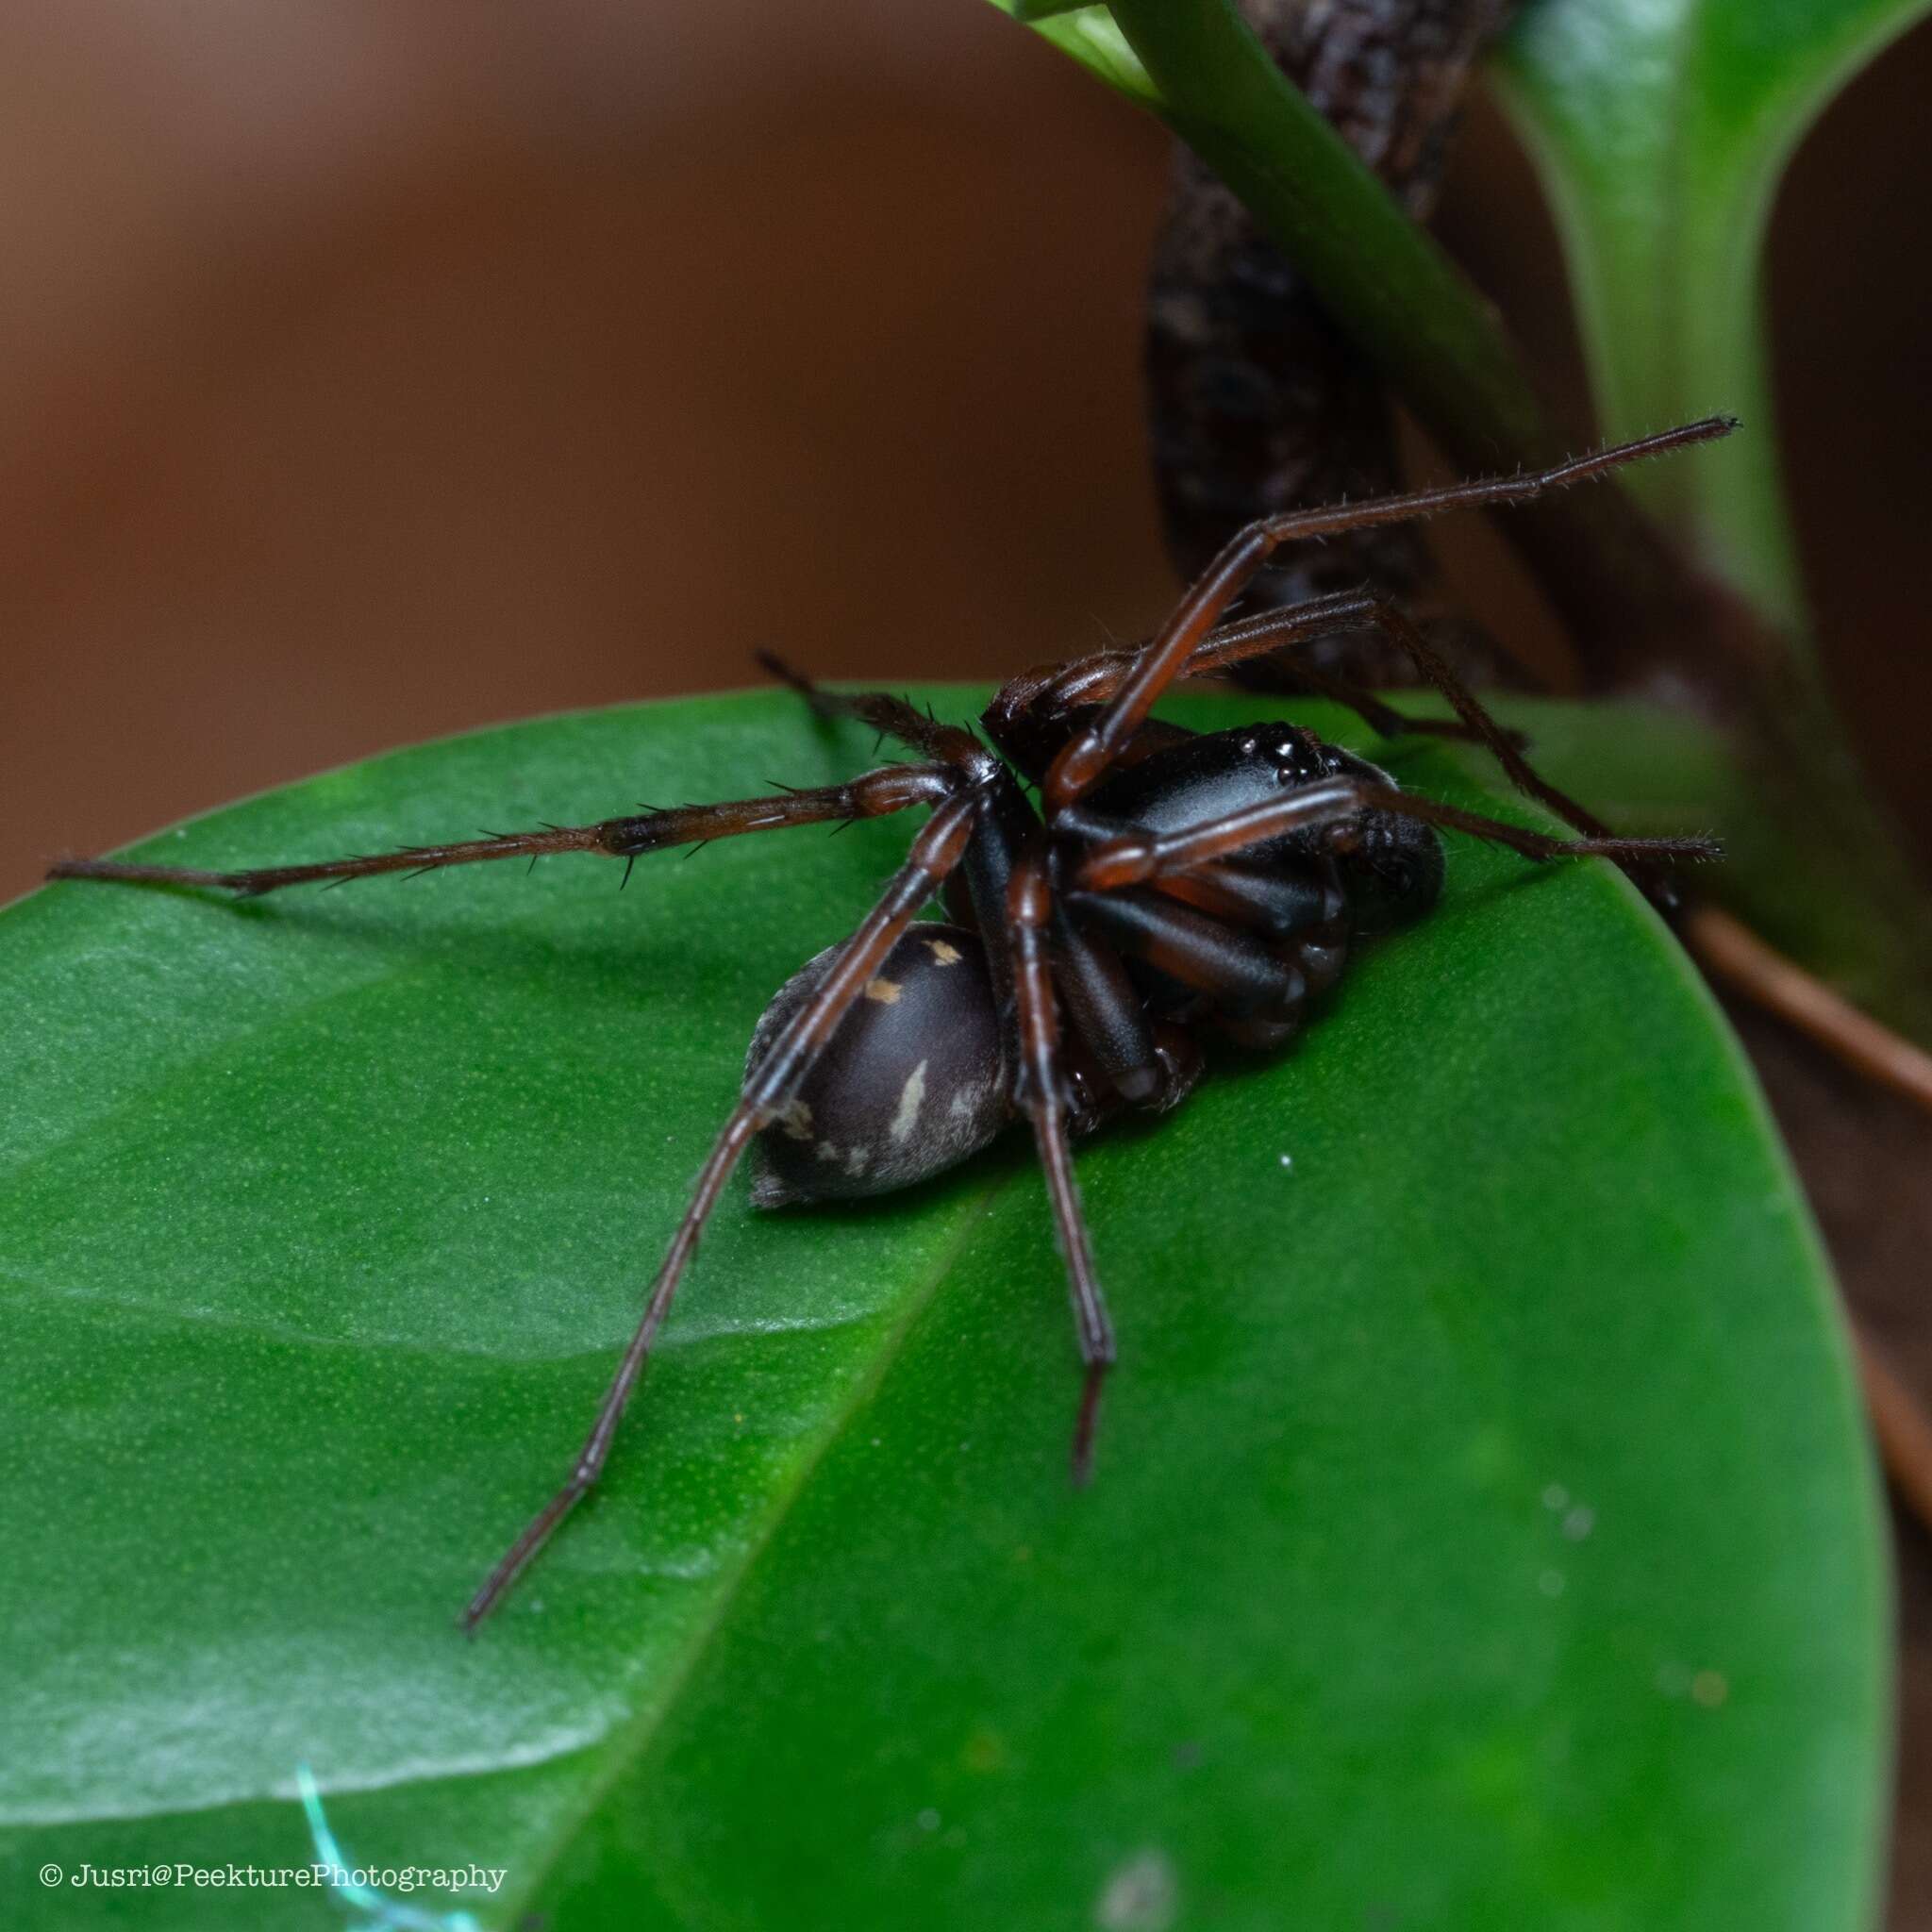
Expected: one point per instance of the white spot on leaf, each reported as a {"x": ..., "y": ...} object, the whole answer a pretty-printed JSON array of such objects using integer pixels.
[{"x": 1141, "y": 1895}]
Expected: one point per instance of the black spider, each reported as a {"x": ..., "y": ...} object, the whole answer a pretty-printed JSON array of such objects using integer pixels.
[{"x": 1168, "y": 884}]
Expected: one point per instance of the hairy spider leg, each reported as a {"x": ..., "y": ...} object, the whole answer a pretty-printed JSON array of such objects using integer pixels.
[
  {"x": 1377, "y": 612},
  {"x": 1055, "y": 690},
  {"x": 1286, "y": 631},
  {"x": 1138, "y": 857},
  {"x": 890, "y": 716},
  {"x": 1041, "y": 1094},
  {"x": 1263, "y": 635},
  {"x": 892, "y": 787},
  {"x": 1087, "y": 754},
  {"x": 933, "y": 853}
]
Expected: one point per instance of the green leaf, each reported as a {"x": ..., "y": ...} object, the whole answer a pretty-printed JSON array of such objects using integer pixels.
[
  {"x": 1088, "y": 35},
  {"x": 1483, "y": 1532},
  {"x": 1661, "y": 128}
]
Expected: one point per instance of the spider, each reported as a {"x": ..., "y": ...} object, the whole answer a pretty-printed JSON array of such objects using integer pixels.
[{"x": 1168, "y": 885}]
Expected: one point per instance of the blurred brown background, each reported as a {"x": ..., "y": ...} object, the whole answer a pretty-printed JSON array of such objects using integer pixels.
[{"x": 367, "y": 372}]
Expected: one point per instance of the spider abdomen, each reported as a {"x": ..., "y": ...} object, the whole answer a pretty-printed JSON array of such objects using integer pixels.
[{"x": 912, "y": 1083}]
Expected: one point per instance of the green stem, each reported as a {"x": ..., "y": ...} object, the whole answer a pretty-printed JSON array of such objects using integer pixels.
[
  {"x": 1626, "y": 599},
  {"x": 1402, "y": 301}
]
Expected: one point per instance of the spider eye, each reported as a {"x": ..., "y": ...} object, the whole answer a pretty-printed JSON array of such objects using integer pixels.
[
  {"x": 1299, "y": 757},
  {"x": 912, "y": 1083}
]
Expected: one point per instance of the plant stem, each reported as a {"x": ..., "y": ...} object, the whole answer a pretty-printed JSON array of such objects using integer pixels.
[
  {"x": 1630, "y": 604},
  {"x": 1832, "y": 879}
]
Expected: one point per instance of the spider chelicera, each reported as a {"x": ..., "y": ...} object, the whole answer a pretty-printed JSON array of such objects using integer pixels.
[{"x": 1169, "y": 884}]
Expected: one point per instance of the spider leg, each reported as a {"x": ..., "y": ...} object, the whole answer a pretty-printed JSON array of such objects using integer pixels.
[
  {"x": 1056, "y": 690},
  {"x": 1262, "y": 636},
  {"x": 1032, "y": 715},
  {"x": 1380, "y": 613},
  {"x": 1088, "y": 753},
  {"x": 892, "y": 787},
  {"x": 1236, "y": 968},
  {"x": 1104, "y": 1011},
  {"x": 893, "y": 717},
  {"x": 1135, "y": 857},
  {"x": 1478, "y": 723},
  {"x": 767, "y": 1090},
  {"x": 1285, "y": 631},
  {"x": 1040, "y": 1092}
]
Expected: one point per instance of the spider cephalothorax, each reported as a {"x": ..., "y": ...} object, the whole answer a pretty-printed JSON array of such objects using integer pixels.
[{"x": 1167, "y": 889}]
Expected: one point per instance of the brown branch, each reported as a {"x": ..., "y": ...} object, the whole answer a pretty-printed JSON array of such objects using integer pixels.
[
  {"x": 1731, "y": 953},
  {"x": 1901, "y": 1427}
]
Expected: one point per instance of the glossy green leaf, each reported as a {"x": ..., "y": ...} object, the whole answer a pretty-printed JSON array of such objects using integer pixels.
[
  {"x": 1661, "y": 128},
  {"x": 1088, "y": 35},
  {"x": 1483, "y": 1532}
]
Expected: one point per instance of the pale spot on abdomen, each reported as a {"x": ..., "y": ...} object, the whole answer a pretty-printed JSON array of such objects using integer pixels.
[{"x": 911, "y": 1099}]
